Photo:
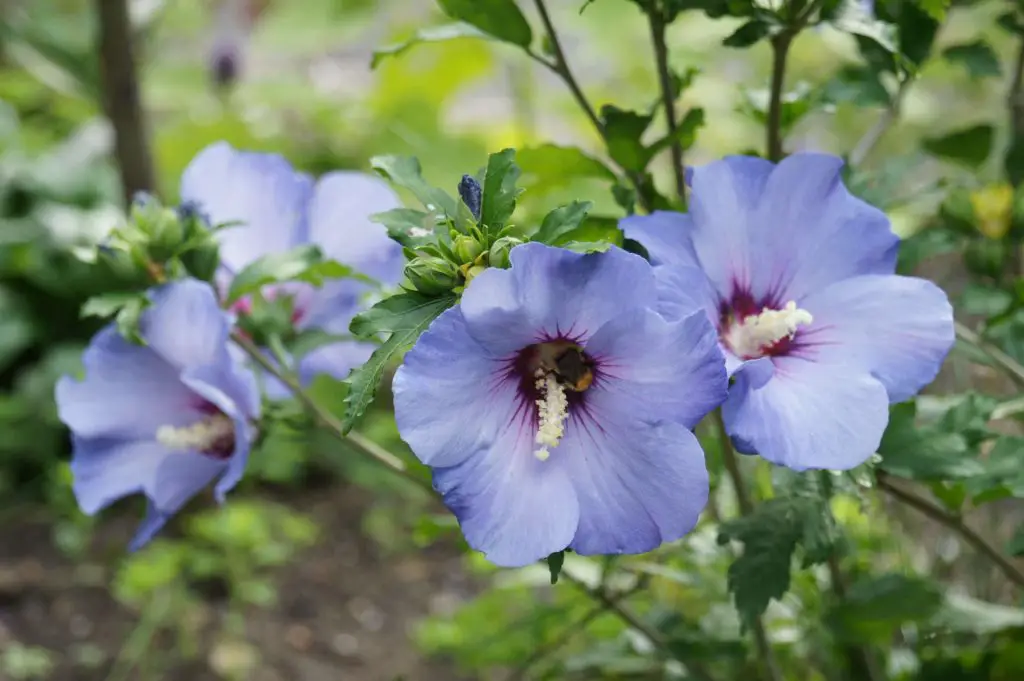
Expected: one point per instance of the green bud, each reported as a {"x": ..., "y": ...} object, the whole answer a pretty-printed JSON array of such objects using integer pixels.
[
  {"x": 471, "y": 272},
  {"x": 467, "y": 249},
  {"x": 957, "y": 211},
  {"x": 165, "y": 234},
  {"x": 432, "y": 276},
  {"x": 202, "y": 261},
  {"x": 498, "y": 255}
]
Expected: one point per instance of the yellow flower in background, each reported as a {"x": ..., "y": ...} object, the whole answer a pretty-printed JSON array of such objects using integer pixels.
[{"x": 993, "y": 209}]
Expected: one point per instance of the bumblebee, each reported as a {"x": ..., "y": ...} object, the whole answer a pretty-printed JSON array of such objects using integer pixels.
[{"x": 573, "y": 369}]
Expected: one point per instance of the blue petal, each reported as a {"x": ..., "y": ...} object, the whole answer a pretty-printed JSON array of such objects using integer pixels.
[
  {"x": 681, "y": 290},
  {"x": 899, "y": 329},
  {"x": 665, "y": 235},
  {"x": 653, "y": 370},
  {"x": 184, "y": 324},
  {"x": 452, "y": 397},
  {"x": 804, "y": 415},
  {"x": 638, "y": 484},
  {"x": 786, "y": 231},
  {"x": 551, "y": 292},
  {"x": 339, "y": 222},
  {"x": 262, "y": 191},
  {"x": 510, "y": 506},
  {"x": 128, "y": 391},
  {"x": 107, "y": 469}
]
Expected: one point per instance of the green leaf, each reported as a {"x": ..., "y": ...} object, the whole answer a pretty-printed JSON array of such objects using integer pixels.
[
  {"x": 977, "y": 57},
  {"x": 963, "y": 614},
  {"x": 499, "y": 18},
  {"x": 549, "y": 167},
  {"x": 561, "y": 221},
  {"x": 405, "y": 171},
  {"x": 970, "y": 146},
  {"x": 749, "y": 33},
  {"x": 555, "y": 561},
  {"x": 770, "y": 537},
  {"x": 853, "y": 17},
  {"x": 405, "y": 317},
  {"x": 499, "y": 190},
  {"x": 594, "y": 229},
  {"x": 874, "y": 607},
  {"x": 623, "y": 130},
  {"x": 856, "y": 85},
  {"x": 685, "y": 133},
  {"x": 925, "y": 452},
  {"x": 128, "y": 308},
  {"x": 303, "y": 263},
  {"x": 410, "y": 227},
  {"x": 1002, "y": 475},
  {"x": 427, "y": 34}
]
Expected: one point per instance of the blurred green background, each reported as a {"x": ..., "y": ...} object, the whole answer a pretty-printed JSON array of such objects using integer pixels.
[{"x": 322, "y": 567}]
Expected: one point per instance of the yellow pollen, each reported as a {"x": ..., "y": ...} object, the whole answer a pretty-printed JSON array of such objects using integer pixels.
[
  {"x": 751, "y": 336},
  {"x": 552, "y": 412},
  {"x": 200, "y": 436}
]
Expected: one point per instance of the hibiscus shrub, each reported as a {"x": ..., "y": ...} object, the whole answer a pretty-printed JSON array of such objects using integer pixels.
[{"x": 704, "y": 398}]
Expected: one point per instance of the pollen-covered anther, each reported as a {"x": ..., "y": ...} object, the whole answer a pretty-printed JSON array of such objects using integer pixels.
[
  {"x": 552, "y": 411},
  {"x": 207, "y": 435},
  {"x": 753, "y": 336}
]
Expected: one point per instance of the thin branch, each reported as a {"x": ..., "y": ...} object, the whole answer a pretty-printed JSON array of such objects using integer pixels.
[
  {"x": 121, "y": 97},
  {"x": 866, "y": 144},
  {"x": 656, "y": 638},
  {"x": 326, "y": 418},
  {"x": 1015, "y": 99},
  {"x": 560, "y": 66},
  {"x": 1008, "y": 364},
  {"x": 656, "y": 21},
  {"x": 955, "y": 523},
  {"x": 780, "y": 52},
  {"x": 746, "y": 505}
]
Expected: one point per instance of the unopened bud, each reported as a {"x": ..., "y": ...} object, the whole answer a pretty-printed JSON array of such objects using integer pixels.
[
  {"x": 202, "y": 261},
  {"x": 432, "y": 276},
  {"x": 499, "y": 253},
  {"x": 466, "y": 248},
  {"x": 472, "y": 272},
  {"x": 471, "y": 195}
]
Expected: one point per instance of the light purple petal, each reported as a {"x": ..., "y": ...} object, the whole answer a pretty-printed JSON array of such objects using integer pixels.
[
  {"x": 638, "y": 485},
  {"x": 184, "y": 324},
  {"x": 511, "y": 506},
  {"x": 551, "y": 292},
  {"x": 653, "y": 370},
  {"x": 898, "y": 329},
  {"x": 128, "y": 391},
  {"x": 339, "y": 222},
  {"x": 681, "y": 290},
  {"x": 806, "y": 415},
  {"x": 726, "y": 227},
  {"x": 107, "y": 469},
  {"x": 665, "y": 235},
  {"x": 452, "y": 397},
  {"x": 262, "y": 191},
  {"x": 783, "y": 233}
]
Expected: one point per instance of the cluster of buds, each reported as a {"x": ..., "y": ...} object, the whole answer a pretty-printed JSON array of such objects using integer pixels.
[
  {"x": 165, "y": 243},
  {"x": 451, "y": 266}
]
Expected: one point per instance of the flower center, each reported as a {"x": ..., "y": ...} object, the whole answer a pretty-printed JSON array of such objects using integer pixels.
[
  {"x": 553, "y": 375},
  {"x": 765, "y": 333},
  {"x": 213, "y": 436}
]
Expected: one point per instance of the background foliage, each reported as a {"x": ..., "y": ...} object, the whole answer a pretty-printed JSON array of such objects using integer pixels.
[{"x": 323, "y": 566}]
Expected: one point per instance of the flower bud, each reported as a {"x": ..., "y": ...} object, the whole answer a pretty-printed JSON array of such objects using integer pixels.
[
  {"x": 471, "y": 195},
  {"x": 472, "y": 272},
  {"x": 466, "y": 248},
  {"x": 499, "y": 253},
  {"x": 202, "y": 261},
  {"x": 432, "y": 276},
  {"x": 165, "y": 235},
  {"x": 993, "y": 209}
]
